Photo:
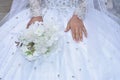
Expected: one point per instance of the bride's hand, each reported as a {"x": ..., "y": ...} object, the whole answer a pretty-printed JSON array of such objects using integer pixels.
[
  {"x": 77, "y": 28},
  {"x": 34, "y": 19}
]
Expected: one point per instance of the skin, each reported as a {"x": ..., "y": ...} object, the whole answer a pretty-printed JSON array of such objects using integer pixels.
[{"x": 75, "y": 25}]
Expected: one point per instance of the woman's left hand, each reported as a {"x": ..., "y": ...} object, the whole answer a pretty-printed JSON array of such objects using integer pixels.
[{"x": 77, "y": 28}]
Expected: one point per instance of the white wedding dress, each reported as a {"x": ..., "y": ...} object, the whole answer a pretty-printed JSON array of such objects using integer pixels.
[{"x": 96, "y": 58}]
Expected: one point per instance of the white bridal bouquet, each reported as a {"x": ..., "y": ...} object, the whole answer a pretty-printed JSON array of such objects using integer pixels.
[{"x": 38, "y": 40}]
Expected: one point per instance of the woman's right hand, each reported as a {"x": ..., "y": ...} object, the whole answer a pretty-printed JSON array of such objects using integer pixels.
[{"x": 34, "y": 19}]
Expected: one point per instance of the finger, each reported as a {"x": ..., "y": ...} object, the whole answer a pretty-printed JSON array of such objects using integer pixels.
[
  {"x": 81, "y": 34},
  {"x": 73, "y": 33},
  {"x": 67, "y": 28},
  {"x": 40, "y": 20},
  {"x": 77, "y": 35},
  {"x": 85, "y": 31},
  {"x": 28, "y": 25}
]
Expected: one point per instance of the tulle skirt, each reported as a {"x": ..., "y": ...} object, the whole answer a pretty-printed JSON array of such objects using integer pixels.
[{"x": 96, "y": 58}]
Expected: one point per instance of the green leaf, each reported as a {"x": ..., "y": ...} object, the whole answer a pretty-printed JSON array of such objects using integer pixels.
[{"x": 29, "y": 53}]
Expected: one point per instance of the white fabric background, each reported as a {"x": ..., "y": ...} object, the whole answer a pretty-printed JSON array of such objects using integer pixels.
[{"x": 97, "y": 58}]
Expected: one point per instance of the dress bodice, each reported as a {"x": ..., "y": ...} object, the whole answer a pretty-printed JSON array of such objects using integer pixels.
[
  {"x": 79, "y": 5},
  {"x": 61, "y": 3}
]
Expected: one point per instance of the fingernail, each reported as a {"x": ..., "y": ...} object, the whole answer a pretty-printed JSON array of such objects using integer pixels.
[
  {"x": 65, "y": 31},
  {"x": 77, "y": 41}
]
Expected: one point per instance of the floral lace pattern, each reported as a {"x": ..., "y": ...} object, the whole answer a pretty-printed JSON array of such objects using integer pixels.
[
  {"x": 81, "y": 10},
  {"x": 80, "y": 6},
  {"x": 35, "y": 7}
]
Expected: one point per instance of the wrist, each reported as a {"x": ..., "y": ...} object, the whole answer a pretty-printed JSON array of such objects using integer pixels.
[
  {"x": 76, "y": 17},
  {"x": 37, "y": 17}
]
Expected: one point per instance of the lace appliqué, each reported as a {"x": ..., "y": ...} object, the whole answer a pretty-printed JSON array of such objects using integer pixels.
[
  {"x": 35, "y": 7},
  {"x": 80, "y": 6},
  {"x": 81, "y": 10}
]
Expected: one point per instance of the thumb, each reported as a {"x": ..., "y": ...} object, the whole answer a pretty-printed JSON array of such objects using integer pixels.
[
  {"x": 28, "y": 25},
  {"x": 67, "y": 28}
]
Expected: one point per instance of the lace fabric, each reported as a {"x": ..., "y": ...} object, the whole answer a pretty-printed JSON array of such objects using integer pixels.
[
  {"x": 20, "y": 5},
  {"x": 35, "y": 7},
  {"x": 79, "y": 5}
]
